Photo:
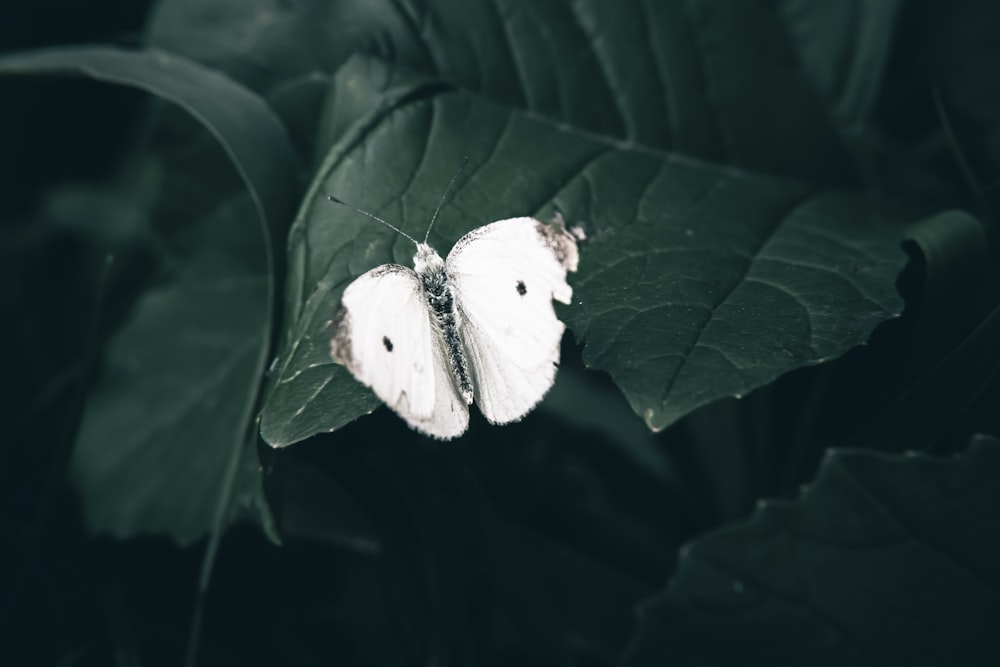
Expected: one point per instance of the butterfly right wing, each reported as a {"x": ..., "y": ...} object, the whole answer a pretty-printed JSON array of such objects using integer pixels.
[
  {"x": 505, "y": 275},
  {"x": 384, "y": 335}
]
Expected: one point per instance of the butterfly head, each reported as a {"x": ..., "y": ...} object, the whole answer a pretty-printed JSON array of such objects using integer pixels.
[{"x": 427, "y": 260}]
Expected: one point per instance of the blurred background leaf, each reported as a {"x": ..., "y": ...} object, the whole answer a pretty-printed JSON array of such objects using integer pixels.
[
  {"x": 843, "y": 48},
  {"x": 689, "y": 78},
  {"x": 881, "y": 559},
  {"x": 165, "y": 416}
]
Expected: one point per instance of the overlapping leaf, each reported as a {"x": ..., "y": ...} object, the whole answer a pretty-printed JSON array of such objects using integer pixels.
[
  {"x": 882, "y": 560},
  {"x": 739, "y": 83},
  {"x": 696, "y": 282},
  {"x": 162, "y": 446}
]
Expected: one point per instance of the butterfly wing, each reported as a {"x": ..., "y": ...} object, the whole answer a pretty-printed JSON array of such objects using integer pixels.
[
  {"x": 505, "y": 276},
  {"x": 384, "y": 335}
]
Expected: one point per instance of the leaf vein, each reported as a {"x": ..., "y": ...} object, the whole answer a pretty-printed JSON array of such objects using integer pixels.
[{"x": 765, "y": 239}]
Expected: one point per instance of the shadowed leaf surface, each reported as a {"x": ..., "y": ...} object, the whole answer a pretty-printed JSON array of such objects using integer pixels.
[
  {"x": 717, "y": 80},
  {"x": 162, "y": 444},
  {"x": 884, "y": 559},
  {"x": 843, "y": 46}
]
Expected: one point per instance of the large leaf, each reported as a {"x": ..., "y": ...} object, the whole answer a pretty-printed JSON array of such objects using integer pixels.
[
  {"x": 884, "y": 559},
  {"x": 163, "y": 428},
  {"x": 697, "y": 282},
  {"x": 716, "y": 79},
  {"x": 163, "y": 445}
]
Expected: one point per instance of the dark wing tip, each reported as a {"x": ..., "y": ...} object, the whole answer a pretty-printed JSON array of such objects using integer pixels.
[
  {"x": 560, "y": 242},
  {"x": 340, "y": 342}
]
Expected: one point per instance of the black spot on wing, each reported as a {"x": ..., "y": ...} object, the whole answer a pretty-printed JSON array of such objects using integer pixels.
[
  {"x": 521, "y": 288},
  {"x": 387, "y": 343}
]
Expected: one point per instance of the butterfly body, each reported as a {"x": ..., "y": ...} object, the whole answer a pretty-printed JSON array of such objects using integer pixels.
[
  {"x": 433, "y": 275},
  {"x": 478, "y": 325}
]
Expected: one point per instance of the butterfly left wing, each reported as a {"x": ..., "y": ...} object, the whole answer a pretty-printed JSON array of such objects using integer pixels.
[
  {"x": 384, "y": 335},
  {"x": 505, "y": 276}
]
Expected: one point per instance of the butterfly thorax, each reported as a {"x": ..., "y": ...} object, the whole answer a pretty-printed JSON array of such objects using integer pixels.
[{"x": 431, "y": 270}]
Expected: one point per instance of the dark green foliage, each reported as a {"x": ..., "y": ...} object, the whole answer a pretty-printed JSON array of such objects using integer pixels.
[{"x": 782, "y": 344}]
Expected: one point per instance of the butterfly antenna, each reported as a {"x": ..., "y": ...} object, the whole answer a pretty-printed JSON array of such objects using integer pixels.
[
  {"x": 447, "y": 191},
  {"x": 373, "y": 217}
]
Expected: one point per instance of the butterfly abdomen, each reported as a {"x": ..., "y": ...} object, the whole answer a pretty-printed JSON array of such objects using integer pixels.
[{"x": 441, "y": 299}]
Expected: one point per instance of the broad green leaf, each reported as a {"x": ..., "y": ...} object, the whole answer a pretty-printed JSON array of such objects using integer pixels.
[
  {"x": 716, "y": 79},
  {"x": 696, "y": 281},
  {"x": 720, "y": 289},
  {"x": 163, "y": 447},
  {"x": 844, "y": 48},
  {"x": 884, "y": 559},
  {"x": 169, "y": 415}
]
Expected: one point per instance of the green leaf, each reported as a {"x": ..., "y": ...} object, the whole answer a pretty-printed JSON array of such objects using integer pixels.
[
  {"x": 844, "y": 48},
  {"x": 241, "y": 123},
  {"x": 729, "y": 285},
  {"x": 717, "y": 80},
  {"x": 260, "y": 43},
  {"x": 952, "y": 357},
  {"x": 171, "y": 410},
  {"x": 697, "y": 281},
  {"x": 955, "y": 262},
  {"x": 882, "y": 560},
  {"x": 164, "y": 443}
]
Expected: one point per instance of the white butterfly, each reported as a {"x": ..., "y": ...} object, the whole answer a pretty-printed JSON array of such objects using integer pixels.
[{"x": 479, "y": 324}]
